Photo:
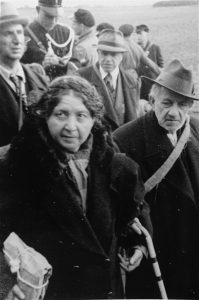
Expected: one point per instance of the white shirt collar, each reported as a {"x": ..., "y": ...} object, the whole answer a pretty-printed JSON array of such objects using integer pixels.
[
  {"x": 173, "y": 138},
  {"x": 18, "y": 71},
  {"x": 114, "y": 75}
]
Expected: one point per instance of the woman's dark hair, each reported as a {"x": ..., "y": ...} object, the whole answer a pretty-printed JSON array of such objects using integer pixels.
[{"x": 64, "y": 86}]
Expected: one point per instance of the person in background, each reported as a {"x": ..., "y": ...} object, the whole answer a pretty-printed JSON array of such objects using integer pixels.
[
  {"x": 20, "y": 84},
  {"x": 135, "y": 57},
  {"x": 50, "y": 42},
  {"x": 71, "y": 196},
  {"x": 120, "y": 89},
  {"x": 153, "y": 52},
  {"x": 85, "y": 47},
  {"x": 165, "y": 143},
  {"x": 103, "y": 26}
]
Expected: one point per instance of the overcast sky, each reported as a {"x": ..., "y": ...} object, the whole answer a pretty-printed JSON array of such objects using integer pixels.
[{"x": 21, "y": 3}]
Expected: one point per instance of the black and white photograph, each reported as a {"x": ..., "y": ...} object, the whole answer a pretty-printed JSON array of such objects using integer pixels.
[{"x": 99, "y": 149}]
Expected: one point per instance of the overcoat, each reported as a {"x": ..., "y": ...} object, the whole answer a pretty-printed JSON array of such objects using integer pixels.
[
  {"x": 174, "y": 203},
  {"x": 40, "y": 205},
  {"x": 130, "y": 88},
  {"x": 153, "y": 52},
  {"x": 36, "y": 83}
]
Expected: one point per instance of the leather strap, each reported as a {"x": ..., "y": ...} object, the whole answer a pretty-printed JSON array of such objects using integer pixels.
[
  {"x": 37, "y": 41},
  {"x": 157, "y": 177}
]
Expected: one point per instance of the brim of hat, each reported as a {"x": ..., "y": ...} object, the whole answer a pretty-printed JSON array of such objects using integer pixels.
[
  {"x": 23, "y": 21},
  {"x": 53, "y": 11},
  {"x": 152, "y": 81},
  {"x": 111, "y": 49}
]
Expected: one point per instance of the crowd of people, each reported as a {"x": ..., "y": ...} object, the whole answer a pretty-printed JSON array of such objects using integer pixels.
[{"x": 96, "y": 133}]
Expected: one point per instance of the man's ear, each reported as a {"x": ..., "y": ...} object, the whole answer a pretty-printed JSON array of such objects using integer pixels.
[{"x": 151, "y": 101}]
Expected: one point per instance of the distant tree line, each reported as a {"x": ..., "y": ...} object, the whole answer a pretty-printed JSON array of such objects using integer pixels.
[{"x": 175, "y": 3}]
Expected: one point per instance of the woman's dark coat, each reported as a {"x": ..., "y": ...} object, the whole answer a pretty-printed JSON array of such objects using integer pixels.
[
  {"x": 174, "y": 204},
  {"x": 40, "y": 205}
]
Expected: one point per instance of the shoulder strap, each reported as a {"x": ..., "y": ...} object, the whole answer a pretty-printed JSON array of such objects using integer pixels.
[
  {"x": 157, "y": 177},
  {"x": 37, "y": 41}
]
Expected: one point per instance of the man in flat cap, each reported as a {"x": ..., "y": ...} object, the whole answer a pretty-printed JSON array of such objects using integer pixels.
[
  {"x": 165, "y": 143},
  {"x": 119, "y": 88},
  {"x": 135, "y": 57},
  {"x": 19, "y": 84},
  {"x": 85, "y": 47},
  {"x": 50, "y": 43}
]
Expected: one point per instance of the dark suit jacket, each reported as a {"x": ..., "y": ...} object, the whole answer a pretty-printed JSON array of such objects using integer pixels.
[
  {"x": 9, "y": 106},
  {"x": 131, "y": 91},
  {"x": 174, "y": 202}
]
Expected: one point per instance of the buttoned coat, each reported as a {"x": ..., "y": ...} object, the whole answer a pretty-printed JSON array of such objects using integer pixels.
[
  {"x": 130, "y": 88},
  {"x": 36, "y": 83},
  {"x": 40, "y": 204},
  {"x": 174, "y": 204}
]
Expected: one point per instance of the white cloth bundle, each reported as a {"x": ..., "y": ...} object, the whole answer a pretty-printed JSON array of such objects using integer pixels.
[{"x": 32, "y": 268}]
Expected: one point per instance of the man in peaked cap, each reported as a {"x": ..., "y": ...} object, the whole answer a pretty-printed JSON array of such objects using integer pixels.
[
  {"x": 50, "y": 43},
  {"x": 119, "y": 88},
  {"x": 19, "y": 84},
  {"x": 165, "y": 143},
  {"x": 85, "y": 47}
]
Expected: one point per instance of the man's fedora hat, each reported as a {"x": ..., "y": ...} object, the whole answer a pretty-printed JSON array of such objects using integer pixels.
[
  {"x": 176, "y": 78},
  {"x": 51, "y": 7},
  {"x": 112, "y": 41},
  {"x": 10, "y": 15}
]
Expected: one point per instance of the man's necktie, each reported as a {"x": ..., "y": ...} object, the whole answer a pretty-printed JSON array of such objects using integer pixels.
[
  {"x": 17, "y": 82},
  {"x": 22, "y": 98},
  {"x": 109, "y": 82}
]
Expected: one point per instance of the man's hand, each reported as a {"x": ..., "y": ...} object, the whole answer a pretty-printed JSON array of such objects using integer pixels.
[
  {"x": 50, "y": 59},
  {"x": 129, "y": 264},
  {"x": 15, "y": 294}
]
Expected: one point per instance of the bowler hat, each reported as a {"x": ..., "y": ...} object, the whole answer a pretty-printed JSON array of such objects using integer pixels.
[
  {"x": 112, "y": 41},
  {"x": 176, "y": 78},
  {"x": 85, "y": 17},
  {"x": 51, "y": 7},
  {"x": 9, "y": 14}
]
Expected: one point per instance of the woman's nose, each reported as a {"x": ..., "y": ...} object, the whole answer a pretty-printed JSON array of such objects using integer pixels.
[{"x": 70, "y": 124}]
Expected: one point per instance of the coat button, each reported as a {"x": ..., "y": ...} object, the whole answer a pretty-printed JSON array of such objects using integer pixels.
[
  {"x": 76, "y": 267},
  {"x": 107, "y": 260},
  {"x": 109, "y": 295}
]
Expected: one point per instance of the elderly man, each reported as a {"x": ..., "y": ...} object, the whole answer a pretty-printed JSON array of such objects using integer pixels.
[
  {"x": 165, "y": 143},
  {"x": 120, "y": 89},
  {"x": 19, "y": 84},
  {"x": 50, "y": 43},
  {"x": 85, "y": 48}
]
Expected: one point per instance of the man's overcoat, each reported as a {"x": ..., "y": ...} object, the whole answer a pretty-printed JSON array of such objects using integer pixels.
[
  {"x": 36, "y": 83},
  {"x": 174, "y": 204},
  {"x": 130, "y": 88}
]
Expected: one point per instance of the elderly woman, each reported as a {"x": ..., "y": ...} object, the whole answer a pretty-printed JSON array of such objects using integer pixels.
[{"x": 70, "y": 196}]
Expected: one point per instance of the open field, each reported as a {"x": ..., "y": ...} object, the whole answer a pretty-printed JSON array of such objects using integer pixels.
[{"x": 175, "y": 29}]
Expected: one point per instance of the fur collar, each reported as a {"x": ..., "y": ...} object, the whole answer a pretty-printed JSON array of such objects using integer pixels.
[{"x": 33, "y": 148}]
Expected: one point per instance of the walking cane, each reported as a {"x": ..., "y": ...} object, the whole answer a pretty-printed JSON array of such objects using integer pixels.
[{"x": 153, "y": 258}]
